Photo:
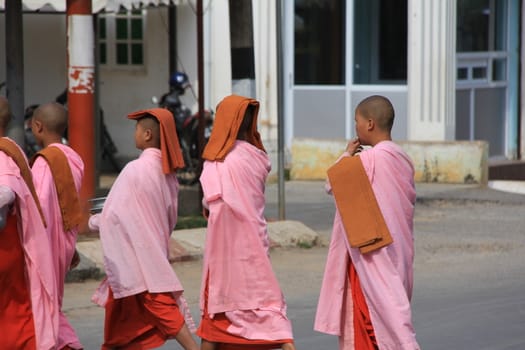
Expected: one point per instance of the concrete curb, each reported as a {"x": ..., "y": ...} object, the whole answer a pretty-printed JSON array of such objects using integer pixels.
[{"x": 189, "y": 245}]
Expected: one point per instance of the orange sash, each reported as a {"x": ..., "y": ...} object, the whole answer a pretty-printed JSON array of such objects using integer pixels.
[
  {"x": 65, "y": 185},
  {"x": 364, "y": 224},
  {"x": 13, "y": 151}
]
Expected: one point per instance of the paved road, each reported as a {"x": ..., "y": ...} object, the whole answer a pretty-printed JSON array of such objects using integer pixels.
[{"x": 469, "y": 277}]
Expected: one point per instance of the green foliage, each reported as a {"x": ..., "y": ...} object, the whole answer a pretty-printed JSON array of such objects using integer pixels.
[
  {"x": 186, "y": 222},
  {"x": 304, "y": 245}
]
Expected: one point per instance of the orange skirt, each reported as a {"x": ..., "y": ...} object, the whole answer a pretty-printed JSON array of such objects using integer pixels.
[
  {"x": 215, "y": 330},
  {"x": 16, "y": 315},
  {"x": 363, "y": 330},
  {"x": 141, "y": 321}
]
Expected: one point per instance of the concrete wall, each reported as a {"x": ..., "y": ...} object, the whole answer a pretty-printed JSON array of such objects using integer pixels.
[{"x": 439, "y": 161}]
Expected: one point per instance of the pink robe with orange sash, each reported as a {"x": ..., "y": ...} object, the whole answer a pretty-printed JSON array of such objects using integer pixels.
[
  {"x": 62, "y": 243},
  {"x": 37, "y": 256},
  {"x": 237, "y": 270},
  {"x": 385, "y": 275}
]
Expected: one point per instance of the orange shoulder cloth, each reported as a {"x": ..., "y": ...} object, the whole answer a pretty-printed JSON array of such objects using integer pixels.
[
  {"x": 362, "y": 218},
  {"x": 13, "y": 151},
  {"x": 65, "y": 185}
]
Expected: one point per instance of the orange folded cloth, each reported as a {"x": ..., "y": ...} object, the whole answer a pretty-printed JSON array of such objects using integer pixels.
[
  {"x": 171, "y": 153},
  {"x": 362, "y": 218},
  {"x": 228, "y": 119}
]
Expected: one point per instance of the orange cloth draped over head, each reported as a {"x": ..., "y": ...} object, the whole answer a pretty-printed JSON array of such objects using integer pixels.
[
  {"x": 169, "y": 140},
  {"x": 228, "y": 119}
]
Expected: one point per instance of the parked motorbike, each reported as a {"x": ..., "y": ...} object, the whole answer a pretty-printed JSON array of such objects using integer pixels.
[{"x": 187, "y": 125}]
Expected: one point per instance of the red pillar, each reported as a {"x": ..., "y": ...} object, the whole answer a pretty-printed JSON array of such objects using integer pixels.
[{"x": 81, "y": 88}]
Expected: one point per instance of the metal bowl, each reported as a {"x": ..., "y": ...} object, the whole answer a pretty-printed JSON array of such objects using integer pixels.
[{"x": 96, "y": 204}]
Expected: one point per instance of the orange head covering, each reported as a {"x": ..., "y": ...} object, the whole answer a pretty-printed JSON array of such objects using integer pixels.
[
  {"x": 228, "y": 119},
  {"x": 169, "y": 141}
]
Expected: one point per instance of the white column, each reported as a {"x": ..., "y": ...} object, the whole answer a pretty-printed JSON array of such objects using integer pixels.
[
  {"x": 265, "y": 52},
  {"x": 220, "y": 51},
  {"x": 431, "y": 69}
]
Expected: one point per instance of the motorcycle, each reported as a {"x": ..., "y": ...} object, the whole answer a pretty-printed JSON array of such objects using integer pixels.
[{"x": 187, "y": 125}]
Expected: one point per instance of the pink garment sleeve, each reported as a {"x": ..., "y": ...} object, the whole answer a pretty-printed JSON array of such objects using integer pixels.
[
  {"x": 327, "y": 185},
  {"x": 94, "y": 222},
  {"x": 211, "y": 182},
  {"x": 44, "y": 187}
]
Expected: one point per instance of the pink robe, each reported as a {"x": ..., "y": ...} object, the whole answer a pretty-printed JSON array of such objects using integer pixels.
[
  {"x": 386, "y": 275},
  {"x": 38, "y": 258},
  {"x": 135, "y": 226},
  {"x": 62, "y": 243},
  {"x": 241, "y": 281}
]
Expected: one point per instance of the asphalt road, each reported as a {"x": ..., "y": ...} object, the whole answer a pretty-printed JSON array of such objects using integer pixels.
[{"x": 469, "y": 277}]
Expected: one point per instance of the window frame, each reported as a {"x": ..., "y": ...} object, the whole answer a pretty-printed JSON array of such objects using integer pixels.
[{"x": 111, "y": 41}]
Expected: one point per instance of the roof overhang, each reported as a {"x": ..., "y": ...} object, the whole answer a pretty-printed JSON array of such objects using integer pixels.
[{"x": 97, "y": 5}]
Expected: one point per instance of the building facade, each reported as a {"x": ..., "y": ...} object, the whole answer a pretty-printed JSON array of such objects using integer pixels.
[{"x": 450, "y": 67}]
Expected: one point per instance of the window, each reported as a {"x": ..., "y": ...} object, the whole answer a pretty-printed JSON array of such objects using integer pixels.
[
  {"x": 121, "y": 39},
  {"x": 481, "y": 25},
  {"x": 380, "y": 41},
  {"x": 319, "y": 42}
]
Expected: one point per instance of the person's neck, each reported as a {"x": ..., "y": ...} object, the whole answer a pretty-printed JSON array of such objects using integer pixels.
[
  {"x": 55, "y": 139},
  {"x": 150, "y": 147},
  {"x": 381, "y": 139}
]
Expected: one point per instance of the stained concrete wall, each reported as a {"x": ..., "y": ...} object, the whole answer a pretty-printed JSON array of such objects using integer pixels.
[{"x": 436, "y": 161}]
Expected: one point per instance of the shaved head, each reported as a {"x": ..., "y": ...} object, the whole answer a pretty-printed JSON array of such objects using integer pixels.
[
  {"x": 149, "y": 122},
  {"x": 53, "y": 117},
  {"x": 5, "y": 113},
  {"x": 379, "y": 109}
]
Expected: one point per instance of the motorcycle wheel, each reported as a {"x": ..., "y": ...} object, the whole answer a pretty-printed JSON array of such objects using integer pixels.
[{"x": 189, "y": 175}]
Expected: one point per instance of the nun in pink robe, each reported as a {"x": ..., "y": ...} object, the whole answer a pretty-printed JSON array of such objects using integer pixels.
[
  {"x": 36, "y": 249},
  {"x": 241, "y": 300},
  {"x": 63, "y": 242},
  {"x": 386, "y": 274},
  {"x": 135, "y": 226}
]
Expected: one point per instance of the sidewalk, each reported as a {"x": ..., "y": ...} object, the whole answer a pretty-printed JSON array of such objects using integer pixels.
[{"x": 309, "y": 215}]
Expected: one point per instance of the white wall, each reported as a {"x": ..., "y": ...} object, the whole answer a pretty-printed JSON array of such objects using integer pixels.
[
  {"x": 44, "y": 56},
  {"x": 124, "y": 91}
]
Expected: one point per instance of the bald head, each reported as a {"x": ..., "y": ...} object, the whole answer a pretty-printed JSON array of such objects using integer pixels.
[
  {"x": 379, "y": 109},
  {"x": 5, "y": 114},
  {"x": 53, "y": 117},
  {"x": 151, "y": 123}
]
